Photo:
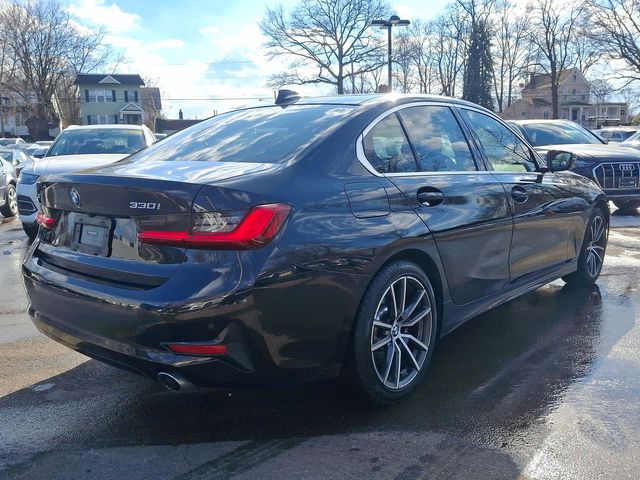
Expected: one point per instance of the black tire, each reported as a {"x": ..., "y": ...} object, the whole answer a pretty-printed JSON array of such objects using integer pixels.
[
  {"x": 627, "y": 206},
  {"x": 591, "y": 251},
  {"x": 31, "y": 230},
  {"x": 369, "y": 358},
  {"x": 10, "y": 207}
]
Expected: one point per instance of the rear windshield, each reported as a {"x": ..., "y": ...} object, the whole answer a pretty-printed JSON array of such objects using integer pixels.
[
  {"x": 97, "y": 141},
  {"x": 259, "y": 135}
]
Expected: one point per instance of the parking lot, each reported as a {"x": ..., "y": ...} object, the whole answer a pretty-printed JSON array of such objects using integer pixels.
[{"x": 546, "y": 386}]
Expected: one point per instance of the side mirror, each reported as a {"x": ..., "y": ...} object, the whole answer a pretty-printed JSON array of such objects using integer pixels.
[
  {"x": 15, "y": 162},
  {"x": 557, "y": 160}
]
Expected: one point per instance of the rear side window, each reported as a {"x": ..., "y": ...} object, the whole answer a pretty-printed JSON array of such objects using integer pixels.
[
  {"x": 387, "y": 148},
  {"x": 260, "y": 135},
  {"x": 437, "y": 139}
]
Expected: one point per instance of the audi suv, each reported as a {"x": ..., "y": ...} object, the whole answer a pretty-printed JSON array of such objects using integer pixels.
[{"x": 614, "y": 167}]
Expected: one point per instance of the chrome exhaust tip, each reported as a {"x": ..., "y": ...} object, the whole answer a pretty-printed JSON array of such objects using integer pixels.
[{"x": 174, "y": 381}]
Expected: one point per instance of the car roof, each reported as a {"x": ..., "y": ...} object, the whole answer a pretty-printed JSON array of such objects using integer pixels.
[
  {"x": 370, "y": 99},
  {"x": 621, "y": 128},
  {"x": 532, "y": 121},
  {"x": 115, "y": 126}
]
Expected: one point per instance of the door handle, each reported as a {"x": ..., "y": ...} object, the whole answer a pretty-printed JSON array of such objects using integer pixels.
[
  {"x": 519, "y": 194},
  {"x": 430, "y": 198}
]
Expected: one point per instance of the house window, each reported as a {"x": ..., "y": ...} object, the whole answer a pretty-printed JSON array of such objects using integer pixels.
[
  {"x": 545, "y": 114},
  {"x": 99, "y": 119},
  {"x": 524, "y": 114},
  {"x": 574, "y": 91},
  {"x": 99, "y": 96},
  {"x": 623, "y": 112},
  {"x": 131, "y": 96}
]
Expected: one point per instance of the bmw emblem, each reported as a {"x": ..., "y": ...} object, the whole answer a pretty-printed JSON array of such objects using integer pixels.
[{"x": 75, "y": 196}]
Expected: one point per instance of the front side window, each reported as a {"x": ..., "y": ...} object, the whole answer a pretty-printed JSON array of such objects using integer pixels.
[
  {"x": 387, "y": 148},
  {"x": 503, "y": 149},
  {"x": 437, "y": 139}
]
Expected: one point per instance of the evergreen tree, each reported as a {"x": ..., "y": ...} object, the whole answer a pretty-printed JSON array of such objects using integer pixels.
[{"x": 479, "y": 67}]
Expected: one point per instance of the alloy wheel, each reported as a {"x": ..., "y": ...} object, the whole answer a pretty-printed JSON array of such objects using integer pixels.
[
  {"x": 596, "y": 246},
  {"x": 401, "y": 332},
  {"x": 12, "y": 199}
]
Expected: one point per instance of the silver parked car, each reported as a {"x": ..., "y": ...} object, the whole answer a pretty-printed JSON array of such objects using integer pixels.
[{"x": 8, "y": 197}]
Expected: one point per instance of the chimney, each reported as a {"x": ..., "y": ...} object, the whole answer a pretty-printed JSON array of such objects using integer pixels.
[
  {"x": 532, "y": 80},
  {"x": 180, "y": 116}
]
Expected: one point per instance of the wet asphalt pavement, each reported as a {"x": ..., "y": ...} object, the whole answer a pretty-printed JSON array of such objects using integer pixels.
[{"x": 547, "y": 386}]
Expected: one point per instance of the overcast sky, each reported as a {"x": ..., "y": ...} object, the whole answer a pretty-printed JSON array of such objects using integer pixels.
[{"x": 199, "y": 49}]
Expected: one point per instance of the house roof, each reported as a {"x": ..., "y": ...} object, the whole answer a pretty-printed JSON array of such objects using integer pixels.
[
  {"x": 150, "y": 98},
  {"x": 173, "y": 124},
  {"x": 131, "y": 107},
  {"x": 540, "y": 102},
  {"x": 104, "y": 78},
  {"x": 544, "y": 79}
]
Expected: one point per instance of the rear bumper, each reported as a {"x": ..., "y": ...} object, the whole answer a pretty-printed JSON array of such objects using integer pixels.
[
  {"x": 286, "y": 324},
  {"x": 201, "y": 371}
]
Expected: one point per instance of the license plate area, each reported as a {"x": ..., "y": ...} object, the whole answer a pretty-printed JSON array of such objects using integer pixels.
[
  {"x": 628, "y": 182},
  {"x": 91, "y": 234}
]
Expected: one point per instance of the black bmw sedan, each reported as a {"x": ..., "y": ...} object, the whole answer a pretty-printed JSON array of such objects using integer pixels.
[
  {"x": 314, "y": 238},
  {"x": 614, "y": 167}
]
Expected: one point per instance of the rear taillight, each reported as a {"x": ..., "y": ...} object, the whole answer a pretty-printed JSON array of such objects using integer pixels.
[
  {"x": 224, "y": 231},
  {"x": 198, "y": 348},
  {"x": 46, "y": 221}
]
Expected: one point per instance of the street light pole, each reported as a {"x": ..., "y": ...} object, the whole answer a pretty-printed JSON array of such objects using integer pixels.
[
  {"x": 388, "y": 24},
  {"x": 389, "y": 55}
]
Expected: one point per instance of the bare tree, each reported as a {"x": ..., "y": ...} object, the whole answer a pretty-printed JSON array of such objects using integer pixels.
[
  {"x": 615, "y": 26},
  {"x": 631, "y": 97},
  {"x": 47, "y": 46},
  {"x": 324, "y": 38},
  {"x": 450, "y": 49},
  {"x": 422, "y": 55},
  {"x": 404, "y": 49},
  {"x": 553, "y": 35},
  {"x": 151, "y": 101},
  {"x": 511, "y": 51}
]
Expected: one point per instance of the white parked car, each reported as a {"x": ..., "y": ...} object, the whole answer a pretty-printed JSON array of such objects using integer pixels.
[
  {"x": 77, "y": 148},
  {"x": 633, "y": 141}
]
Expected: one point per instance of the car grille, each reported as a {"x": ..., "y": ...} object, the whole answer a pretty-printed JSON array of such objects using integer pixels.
[
  {"x": 25, "y": 205},
  {"x": 618, "y": 176}
]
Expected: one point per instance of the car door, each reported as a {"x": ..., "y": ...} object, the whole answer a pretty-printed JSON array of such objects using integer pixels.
[
  {"x": 542, "y": 205},
  {"x": 424, "y": 152}
]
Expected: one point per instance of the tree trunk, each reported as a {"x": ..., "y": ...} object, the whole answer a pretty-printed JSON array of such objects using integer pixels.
[{"x": 554, "y": 96}]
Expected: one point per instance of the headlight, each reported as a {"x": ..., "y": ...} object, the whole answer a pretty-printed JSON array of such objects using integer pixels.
[
  {"x": 583, "y": 163},
  {"x": 28, "y": 178}
]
